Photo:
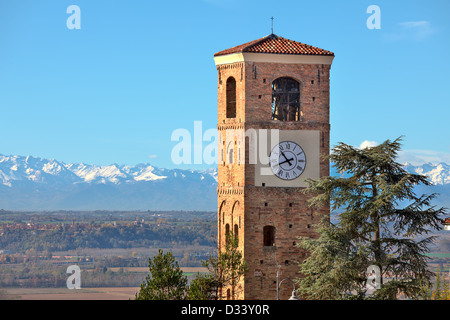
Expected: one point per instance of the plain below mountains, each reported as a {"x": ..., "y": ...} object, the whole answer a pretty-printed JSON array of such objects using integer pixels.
[{"x": 31, "y": 183}]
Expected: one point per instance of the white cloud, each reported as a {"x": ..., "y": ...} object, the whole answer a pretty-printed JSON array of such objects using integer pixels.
[
  {"x": 367, "y": 144},
  {"x": 418, "y": 28},
  {"x": 419, "y": 157},
  {"x": 414, "y": 24},
  {"x": 412, "y": 30},
  {"x": 415, "y": 157},
  {"x": 153, "y": 156}
]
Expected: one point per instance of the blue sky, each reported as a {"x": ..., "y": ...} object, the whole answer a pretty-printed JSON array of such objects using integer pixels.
[{"x": 115, "y": 90}]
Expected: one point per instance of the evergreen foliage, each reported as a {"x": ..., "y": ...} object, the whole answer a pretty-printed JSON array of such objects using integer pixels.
[
  {"x": 165, "y": 280},
  {"x": 379, "y": 221},
  {"x": 226, "y": 269}
]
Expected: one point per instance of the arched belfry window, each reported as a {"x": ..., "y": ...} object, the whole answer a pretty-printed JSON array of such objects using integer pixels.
[
  {"x": 231, "y": 97},
  {"x": 286, "y": 99}
]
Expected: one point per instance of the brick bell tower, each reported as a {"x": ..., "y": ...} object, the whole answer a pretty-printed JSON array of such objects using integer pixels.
[{"x": 273, "y": 124}]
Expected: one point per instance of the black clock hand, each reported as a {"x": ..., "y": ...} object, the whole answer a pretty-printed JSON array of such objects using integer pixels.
[
  {"x": 286, "y": 158},
  {"x": 287, "y": 161}
]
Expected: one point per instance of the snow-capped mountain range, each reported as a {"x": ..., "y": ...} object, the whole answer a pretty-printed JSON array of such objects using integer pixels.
[
  {"x": 438, "y": 174},
  {"x": 17, "y": 168},
  {"x": 31, "y": 183}
]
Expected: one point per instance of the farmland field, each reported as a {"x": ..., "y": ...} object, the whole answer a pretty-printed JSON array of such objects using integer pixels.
[
  {"x": 113, "y": 293},
  {"x": 98, "y": 293}
]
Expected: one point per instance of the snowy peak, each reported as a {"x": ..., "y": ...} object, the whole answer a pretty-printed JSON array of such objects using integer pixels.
[
  {"x": 98, "y": 174},
  {"x": 439, "y": 174},
  {"x": 31, "y": 183},
  {"x": 15, "y": 169}
]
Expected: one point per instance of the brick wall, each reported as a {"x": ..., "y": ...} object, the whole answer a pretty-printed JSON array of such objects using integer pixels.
[{"x": 251, "y": 207}]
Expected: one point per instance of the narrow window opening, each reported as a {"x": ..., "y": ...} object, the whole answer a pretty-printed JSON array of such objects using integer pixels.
[
  {"x": 269, "y": 236},
  {"x": 227, "y": 231},
  {"x": 231, "y": 98}
]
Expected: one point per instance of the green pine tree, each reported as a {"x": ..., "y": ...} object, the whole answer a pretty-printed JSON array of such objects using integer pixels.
[
  {"x": 165, "y": 280},
  {"x": 380, "y": 221},
  {"x": 203, "y": 287},
  {"x": 225, "y": 270}
]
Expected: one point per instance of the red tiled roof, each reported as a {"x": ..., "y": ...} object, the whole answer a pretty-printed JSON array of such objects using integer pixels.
[
  {"x": 447, "y": 221},
  {"x": 276, "y": 45}
]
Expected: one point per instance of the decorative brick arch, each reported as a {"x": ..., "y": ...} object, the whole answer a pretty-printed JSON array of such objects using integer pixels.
[
  {"x": 236, "y": 220},
  {"x": 221, "y": 220}
]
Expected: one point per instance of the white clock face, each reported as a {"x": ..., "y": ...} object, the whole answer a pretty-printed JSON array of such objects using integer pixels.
[{"x": 287, "y": 160}]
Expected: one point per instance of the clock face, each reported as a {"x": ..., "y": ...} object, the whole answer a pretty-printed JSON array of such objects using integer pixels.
[{"x": 287, "y": 160}]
